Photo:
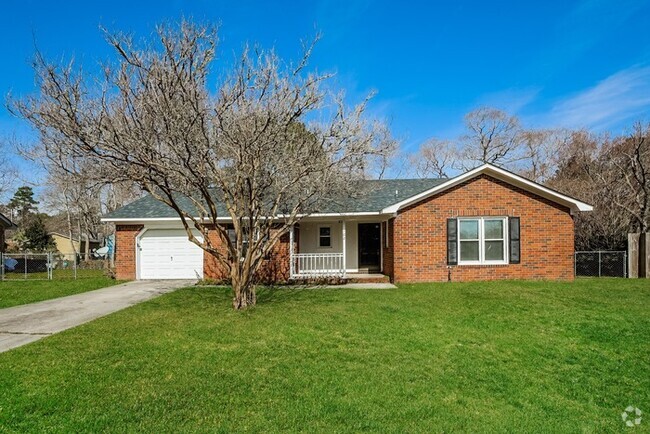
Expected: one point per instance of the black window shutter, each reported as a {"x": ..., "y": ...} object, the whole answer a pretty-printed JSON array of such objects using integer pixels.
[
  {"x": 514, "y": 240},
  {"x": 452, "y": 241}
]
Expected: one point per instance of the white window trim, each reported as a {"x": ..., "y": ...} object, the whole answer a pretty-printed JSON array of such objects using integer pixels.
[
  {"x": 481, "y": 241},
  {"x": 331, "y": 246}
]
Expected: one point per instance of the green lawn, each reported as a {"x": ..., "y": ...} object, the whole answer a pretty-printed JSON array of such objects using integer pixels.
[
  {"x": 482, "y": 357},
  {"x": 15, "y": 292}
]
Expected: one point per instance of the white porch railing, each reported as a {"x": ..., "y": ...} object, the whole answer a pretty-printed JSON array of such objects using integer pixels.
[{"x": 310, "y": 265}]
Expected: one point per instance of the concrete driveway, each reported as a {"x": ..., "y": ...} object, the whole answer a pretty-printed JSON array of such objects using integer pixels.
[{"x": 20, "y": 325}]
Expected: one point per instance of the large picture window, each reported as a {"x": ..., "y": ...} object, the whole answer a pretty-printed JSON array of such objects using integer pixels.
[{"x": 482, "y": 240}]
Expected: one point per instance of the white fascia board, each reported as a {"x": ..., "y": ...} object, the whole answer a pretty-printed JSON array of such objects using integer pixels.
[
  {"x": 337, "y": 214},
  {"x": 498, "y": 173},
  {"x": 148, "y": 219}
]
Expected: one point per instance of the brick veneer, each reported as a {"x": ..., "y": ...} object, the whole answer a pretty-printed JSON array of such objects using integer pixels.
[
  {"x": 418, "y": 235},
  {"x": 275, "y": 269},
  {"x": 125, "y": 251},
  {"x": 212, "y": 269}
]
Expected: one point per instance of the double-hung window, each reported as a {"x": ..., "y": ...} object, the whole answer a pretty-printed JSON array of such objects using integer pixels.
[
  {"x": 325, "y": 236},
  {"x": 482, "y": 240}
]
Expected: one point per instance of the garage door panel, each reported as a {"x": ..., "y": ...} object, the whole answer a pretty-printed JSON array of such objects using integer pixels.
[{"x": 168, "y": 254}]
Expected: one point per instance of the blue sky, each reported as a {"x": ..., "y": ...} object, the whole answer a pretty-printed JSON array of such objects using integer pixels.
[{"x": 553, "y": 63}]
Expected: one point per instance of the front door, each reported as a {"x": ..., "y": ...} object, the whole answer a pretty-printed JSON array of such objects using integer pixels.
[{"x": 369, "y": 246}]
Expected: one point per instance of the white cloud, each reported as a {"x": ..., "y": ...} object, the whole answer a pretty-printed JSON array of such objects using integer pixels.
[
  {"x": 510, "y": 100},
  {"x": 621, "y": 96}
]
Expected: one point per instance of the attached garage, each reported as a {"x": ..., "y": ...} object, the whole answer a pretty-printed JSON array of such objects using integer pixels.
[{"x": 168, "y": 254}]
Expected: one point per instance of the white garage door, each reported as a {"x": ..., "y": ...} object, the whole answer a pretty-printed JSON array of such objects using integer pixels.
[{"x": 168, "y": 254}]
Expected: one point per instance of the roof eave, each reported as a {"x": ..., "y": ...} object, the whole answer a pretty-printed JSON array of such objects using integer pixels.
[{"x": 135, "y": 220}]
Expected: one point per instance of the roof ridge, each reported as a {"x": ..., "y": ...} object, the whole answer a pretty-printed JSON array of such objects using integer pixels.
[{"x": 405, "y": 179}]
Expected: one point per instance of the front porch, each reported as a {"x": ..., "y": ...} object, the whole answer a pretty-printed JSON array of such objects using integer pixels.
[{"x": 344, "y": 249}]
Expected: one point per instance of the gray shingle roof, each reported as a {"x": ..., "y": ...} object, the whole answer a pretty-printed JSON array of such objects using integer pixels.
[{"x": 373, "y": 196}]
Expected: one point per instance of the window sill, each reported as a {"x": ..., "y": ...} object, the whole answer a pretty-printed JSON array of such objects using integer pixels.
[{"x": 485, "y": 265}]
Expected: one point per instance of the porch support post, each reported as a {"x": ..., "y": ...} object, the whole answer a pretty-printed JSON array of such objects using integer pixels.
[
  {"x": 291, "y": 265},
  {"x": 344, "y": 247}
]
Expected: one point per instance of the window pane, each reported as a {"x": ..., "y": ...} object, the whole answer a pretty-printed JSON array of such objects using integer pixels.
[
  {"x": 469, "y": 229},
  {"x": 494, "y": 250},
  {"x": 325, "y": 231},
  {"x": 493, "y": 229},
  {"x": 469, "y": 250},
  {"x": 233, "y": 236},
  {"x": 325, "y": 242}
]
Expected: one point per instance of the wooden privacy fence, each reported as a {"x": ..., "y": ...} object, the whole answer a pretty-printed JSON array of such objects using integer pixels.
[{"x": 638, "y": 247}]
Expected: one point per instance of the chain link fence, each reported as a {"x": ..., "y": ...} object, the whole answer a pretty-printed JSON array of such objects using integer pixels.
[
  {"x": 49, "y": 266},
  {"x": 601, "y": 263}
]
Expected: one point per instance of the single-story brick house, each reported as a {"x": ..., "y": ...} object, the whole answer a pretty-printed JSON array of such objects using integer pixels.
[
  {"x": 5, "y": 224},
  {"x": 487, "y": 223}
]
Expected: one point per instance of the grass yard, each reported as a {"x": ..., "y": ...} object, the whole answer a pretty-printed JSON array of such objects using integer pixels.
[
  {"x": 15, "y": 292},
  {"x": 480, "y": 357}
]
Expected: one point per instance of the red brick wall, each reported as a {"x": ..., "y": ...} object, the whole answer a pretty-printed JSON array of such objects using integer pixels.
[
  {"x": 547, "y": 234},
  {"x": 275, "y": 269},
  {"x": 212, "y": 268},
  {"x": 125, "y": 251}
]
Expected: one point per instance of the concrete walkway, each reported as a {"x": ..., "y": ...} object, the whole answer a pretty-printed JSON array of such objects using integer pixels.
[{"x": 21, "y": 325}]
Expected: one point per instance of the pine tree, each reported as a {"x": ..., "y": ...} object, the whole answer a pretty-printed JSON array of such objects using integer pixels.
[
  {"x": 35, "y": 237},
  {"x": 23, "y": 202}
]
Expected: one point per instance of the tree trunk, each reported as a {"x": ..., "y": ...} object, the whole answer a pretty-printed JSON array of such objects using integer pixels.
[
  {"x": 87, "y": 246},
  {"x": 243, "y": 288},
  {"x": 68, "y": 214},
  {"x": 78, "y": 256}
]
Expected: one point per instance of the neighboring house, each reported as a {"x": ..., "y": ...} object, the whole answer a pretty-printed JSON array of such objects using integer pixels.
[
  {"x": 67, "y": 246},
  {"x": 487, "y": 223},
  {"x": 5, "y": 224}
]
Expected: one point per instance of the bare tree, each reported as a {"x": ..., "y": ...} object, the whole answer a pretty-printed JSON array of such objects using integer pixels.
[
  {"x": 493, "y": 136},
  {"x": 540, "y": 152},
  {"x": 265, "y": 149},
  {"x": 436, "y": 158},
  {"x": 8, "y": 173},
  {"x": 585, "y": 170},
  {"x": 72, "y": 191},
  {"x": 629, "y": 159}
]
